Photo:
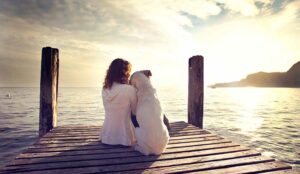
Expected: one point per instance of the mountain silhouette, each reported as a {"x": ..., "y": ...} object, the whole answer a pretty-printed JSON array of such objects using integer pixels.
[{"x": 291, "y": 78}]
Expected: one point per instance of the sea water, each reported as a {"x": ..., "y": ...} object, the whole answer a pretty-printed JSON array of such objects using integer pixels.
[{"x": 266, "y": 119}]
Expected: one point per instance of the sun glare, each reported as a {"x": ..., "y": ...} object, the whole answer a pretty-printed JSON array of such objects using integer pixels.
[{"x": 248, "y": 120}]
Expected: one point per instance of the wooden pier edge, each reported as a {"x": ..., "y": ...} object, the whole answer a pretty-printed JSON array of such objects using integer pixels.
[{"x": 78, "y": 149}]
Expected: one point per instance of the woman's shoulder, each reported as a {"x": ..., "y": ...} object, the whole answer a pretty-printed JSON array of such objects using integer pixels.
[{"x": 126, "y": 87}]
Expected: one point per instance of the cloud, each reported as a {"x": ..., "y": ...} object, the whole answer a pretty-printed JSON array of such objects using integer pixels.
[
  {"x": 289, "y": 15},
  {"x": 238, "y": 46},
  {"x": 71, "y": 15},
  {"x": 246, "y": 7},
  {"x": 90, "y": 34}
]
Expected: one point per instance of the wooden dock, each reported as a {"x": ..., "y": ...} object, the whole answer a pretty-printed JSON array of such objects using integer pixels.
[{"x": 77, "y": 149}]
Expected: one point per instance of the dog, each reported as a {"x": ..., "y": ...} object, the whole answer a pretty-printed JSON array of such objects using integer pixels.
[{"x": 151, "y": 134}]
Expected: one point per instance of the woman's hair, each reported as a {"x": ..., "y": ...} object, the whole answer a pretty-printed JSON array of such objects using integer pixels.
[{"x": 118, "y": 71}]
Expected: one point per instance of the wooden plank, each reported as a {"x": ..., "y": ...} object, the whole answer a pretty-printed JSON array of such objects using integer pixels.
[
  {"x": 96, "y": 143},
  {"x": 99, "y": 145},
  {"x": 131, "y": 163},
  {"x": 97, "y": 132},
  {"x": 189, "y": 133},
  {"x": 78, "y": 136},
  {"x": 146, "y": 168},
  {"x": 49, "y": 141},
  {"x": 252, "y": 168},
  {"x": 87, "y": 135},
  {"x": 42, "y": 141},
  {"x": 177, "y": 123},
  {"x": 191, "y": 136},
  {"x": 62, "y": 139},
  {"x": 194, "y": 144},
  {"x": 212, "y": 165},
  {"x": 141, "y": 158},
  {"x": 200, "y": 138},
  {"x": 66, "y": 144},
  {"x": 201, "y": 164},
  {"x": 289, "y": 171},
  {"x": 110, "y": 154},
  {"x": 89, "y": 128},
  {"x": 118, "y": 150},
  {"x": 70, "y": 141}
]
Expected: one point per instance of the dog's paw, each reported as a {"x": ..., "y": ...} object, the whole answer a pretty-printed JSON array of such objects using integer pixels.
[{"x": 141, "y": 150}]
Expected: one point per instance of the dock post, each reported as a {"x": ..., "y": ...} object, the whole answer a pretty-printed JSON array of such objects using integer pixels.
[
  {"x": 48, "y": 90},
  {"x": 195, "y": 91}
]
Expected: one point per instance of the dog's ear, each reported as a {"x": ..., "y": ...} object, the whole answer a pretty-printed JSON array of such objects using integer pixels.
[{"x": 147, "y": 73}]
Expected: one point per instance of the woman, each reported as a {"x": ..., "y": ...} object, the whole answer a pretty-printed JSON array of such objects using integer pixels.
[{"x": 119, "y": 100}]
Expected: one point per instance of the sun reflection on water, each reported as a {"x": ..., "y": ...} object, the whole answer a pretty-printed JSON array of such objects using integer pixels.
[{"x": 248, "y": 100}]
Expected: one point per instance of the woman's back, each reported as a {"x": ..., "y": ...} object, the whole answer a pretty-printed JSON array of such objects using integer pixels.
[{"x": 118, "y": 101}]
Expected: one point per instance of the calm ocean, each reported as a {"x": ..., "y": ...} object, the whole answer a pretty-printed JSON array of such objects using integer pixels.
[{"x": 267, "y": 119}]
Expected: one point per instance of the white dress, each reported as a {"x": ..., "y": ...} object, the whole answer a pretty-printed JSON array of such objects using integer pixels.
[{"x": 119, "y": 102}]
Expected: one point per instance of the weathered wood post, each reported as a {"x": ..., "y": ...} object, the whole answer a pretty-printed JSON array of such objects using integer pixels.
[
  {"x": 195, "y": 94},
  {"x": 48, "y": 89}
]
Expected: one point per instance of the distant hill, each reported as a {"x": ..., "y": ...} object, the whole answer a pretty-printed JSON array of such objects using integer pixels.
[{"x": 291, "y": 78}]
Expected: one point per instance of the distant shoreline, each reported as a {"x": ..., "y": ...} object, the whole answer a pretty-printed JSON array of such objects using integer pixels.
[{"x": 289, "y": 79}]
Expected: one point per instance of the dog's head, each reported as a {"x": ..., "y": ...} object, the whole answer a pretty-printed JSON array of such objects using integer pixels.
[
  {"x": 147, "y": 73},
  {"x": 140, "y": 78}
]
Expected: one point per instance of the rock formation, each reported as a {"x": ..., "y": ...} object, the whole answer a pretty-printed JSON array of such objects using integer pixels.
[{"x": 291, "y": 78}]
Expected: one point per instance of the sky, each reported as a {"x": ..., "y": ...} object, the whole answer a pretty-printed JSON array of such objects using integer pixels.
[{"x": 235, "y": 37}]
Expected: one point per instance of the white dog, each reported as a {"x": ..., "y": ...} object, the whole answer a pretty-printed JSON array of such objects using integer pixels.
[{"x": 152, "y": 135}]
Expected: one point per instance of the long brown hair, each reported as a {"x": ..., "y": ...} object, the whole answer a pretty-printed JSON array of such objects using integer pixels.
[{"x": 118, "y": 71}]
